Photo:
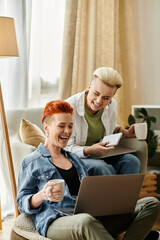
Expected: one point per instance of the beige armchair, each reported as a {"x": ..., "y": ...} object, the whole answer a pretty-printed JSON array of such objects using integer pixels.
[
  {"x": 141, "y": 150},
  {"x": 23, "y": 227}
]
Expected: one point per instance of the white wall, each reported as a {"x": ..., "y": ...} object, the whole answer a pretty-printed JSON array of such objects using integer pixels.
[{"x": 147, "y": 37}]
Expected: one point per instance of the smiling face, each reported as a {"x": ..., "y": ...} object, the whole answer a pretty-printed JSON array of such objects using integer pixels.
[
  {"x": 59, "y": 129},
  {"x": 99, "y": 95}
]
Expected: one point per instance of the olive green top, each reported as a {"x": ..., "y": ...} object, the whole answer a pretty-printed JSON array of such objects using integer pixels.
[{"x": 96, "y": 128}]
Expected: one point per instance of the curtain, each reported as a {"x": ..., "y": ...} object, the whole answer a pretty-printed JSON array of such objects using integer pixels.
[
  {"x": 13, "y": 76},
  {"x": 13, "y": 71},
  {"x": 123, "y": 34},
  {"x": 98, "y": 33},
  {"x": 47, "y": 20},
  {"x": 88, "y": 43},
  {"x": 30, "y": 79},
  {"x": 124, "y": 61}
]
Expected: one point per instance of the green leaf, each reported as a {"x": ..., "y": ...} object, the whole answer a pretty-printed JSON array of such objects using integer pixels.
[
  {"x": 151, "y": 152},
  {"x": 156, "y": 137},
  {"x": 148, "y": 123},
  {"x": 153, "y": 119},
  {"x": 152, "y": 139},
  {"x": 150, "y": 134},
  {"x": 143, "y": 111},
  {"x": 152, "y": 143},
  {"x": 131, "y": 119}
]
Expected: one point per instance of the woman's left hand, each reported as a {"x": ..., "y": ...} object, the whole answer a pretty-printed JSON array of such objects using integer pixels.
[{"x": 130, "y": 133}]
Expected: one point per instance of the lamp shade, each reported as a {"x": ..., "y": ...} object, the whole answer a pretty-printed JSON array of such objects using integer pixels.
[{"x": 8, "y": 41}]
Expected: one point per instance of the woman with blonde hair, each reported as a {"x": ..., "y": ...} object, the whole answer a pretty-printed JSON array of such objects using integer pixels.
[{"x": 95, "y": 116}]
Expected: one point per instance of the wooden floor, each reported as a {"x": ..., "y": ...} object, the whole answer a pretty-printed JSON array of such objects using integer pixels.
[{"x": 6, "y": 227}]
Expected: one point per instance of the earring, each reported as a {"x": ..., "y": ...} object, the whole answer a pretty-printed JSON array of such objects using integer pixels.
[{"x": 47, "y": 135}]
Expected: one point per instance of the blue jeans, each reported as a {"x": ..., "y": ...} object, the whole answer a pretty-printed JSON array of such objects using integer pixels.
[{"x": 121, "y": 164}]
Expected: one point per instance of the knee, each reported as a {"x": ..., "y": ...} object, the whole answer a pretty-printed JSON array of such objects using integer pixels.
[
  {"x": 103, "y": 168},
  {"x": 151, "y": 206},
  {"x": 89, "y": 227},
  {"x": 153, "y": 203},
  {"x": 136, "y": 162},
  {"x": 85, "y": 221},
  {"x": 99, "y": 167},
  {"x": 133, "y": 162}
]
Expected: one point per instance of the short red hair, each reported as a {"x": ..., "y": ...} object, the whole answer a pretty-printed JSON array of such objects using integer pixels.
[{"x": 56, "y": 106}]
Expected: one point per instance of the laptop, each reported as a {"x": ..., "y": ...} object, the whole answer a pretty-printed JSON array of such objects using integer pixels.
[{"x": 107, "y": 195}]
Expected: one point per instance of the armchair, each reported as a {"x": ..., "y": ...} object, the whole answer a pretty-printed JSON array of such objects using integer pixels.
[{"x": 23, "y": 227}]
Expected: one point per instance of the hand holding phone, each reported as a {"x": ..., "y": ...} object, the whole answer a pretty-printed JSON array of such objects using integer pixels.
[{"x": 112, "y": 140}]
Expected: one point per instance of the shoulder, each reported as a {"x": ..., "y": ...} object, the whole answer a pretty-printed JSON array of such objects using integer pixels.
[
  {"x": 75, "y": 99},
  {"x": 31, "y": 158},
  {"x": 77, "y": 103}
]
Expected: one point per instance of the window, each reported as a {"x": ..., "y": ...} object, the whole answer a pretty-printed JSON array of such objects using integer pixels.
[{"x": 46, "y": 35}]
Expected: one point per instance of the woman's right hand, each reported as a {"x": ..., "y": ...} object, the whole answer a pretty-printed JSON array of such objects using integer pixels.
[
  {"x": 53, "y": 195},
  {"x": 98, "y": 149}
]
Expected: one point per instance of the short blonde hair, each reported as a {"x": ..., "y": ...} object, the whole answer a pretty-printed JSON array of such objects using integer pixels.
[{"x": 109, "y": 76}]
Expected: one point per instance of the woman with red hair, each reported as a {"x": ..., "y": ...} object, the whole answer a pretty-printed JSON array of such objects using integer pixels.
[{"x": 52, "y": 161}]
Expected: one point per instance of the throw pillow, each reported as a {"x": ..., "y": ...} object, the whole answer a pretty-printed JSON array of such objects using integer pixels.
[{"x": 30, "y": 133}]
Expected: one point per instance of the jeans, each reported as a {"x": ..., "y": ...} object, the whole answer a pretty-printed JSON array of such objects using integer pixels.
[
  {"x": 121, "y": 164},
  {"x": 84, "y": 226}
]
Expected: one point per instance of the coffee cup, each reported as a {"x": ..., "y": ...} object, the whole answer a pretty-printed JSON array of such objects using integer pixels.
[
  {"x": 60, "y": 183},
  {"x": 140, "y": 130}
]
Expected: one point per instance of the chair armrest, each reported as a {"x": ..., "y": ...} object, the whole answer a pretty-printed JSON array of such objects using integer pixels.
[{"x": 141, "y": 153}]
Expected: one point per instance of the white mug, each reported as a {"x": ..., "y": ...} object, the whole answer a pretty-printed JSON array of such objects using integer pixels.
[
  {"x": 140, "y": 130},
  {"x": 60, "y": 183}
]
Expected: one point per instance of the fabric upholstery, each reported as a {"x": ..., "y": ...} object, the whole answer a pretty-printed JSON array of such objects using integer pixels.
[
  {"x": 30, "y": 133},
  {"x": 23, "y": 226}
]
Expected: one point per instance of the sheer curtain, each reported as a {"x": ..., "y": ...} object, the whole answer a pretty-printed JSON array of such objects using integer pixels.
[
  {"x": 13, "y": 77},
  {"x": 13, "y": 71},
  {"x": 31, "y": 79},
  {"x": 47, "y": 20}
]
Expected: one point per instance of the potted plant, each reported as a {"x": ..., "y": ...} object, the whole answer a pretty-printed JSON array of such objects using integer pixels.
[{"x": 152, "y": 139}]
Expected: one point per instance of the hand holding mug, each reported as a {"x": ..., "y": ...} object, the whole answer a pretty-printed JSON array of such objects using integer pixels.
[
  {"x": 56, "y": 191},
  {"x": 140, "y": 130}
]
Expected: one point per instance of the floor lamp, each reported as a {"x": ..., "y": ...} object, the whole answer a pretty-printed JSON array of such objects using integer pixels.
[{"x": 8, "y": 48}]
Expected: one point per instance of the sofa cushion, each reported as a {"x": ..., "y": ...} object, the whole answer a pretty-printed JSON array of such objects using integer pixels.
[{"x": 30, "y": 133}]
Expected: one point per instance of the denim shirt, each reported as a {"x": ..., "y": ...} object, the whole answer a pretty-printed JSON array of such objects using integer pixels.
[{"x": 35, "y": 171}]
